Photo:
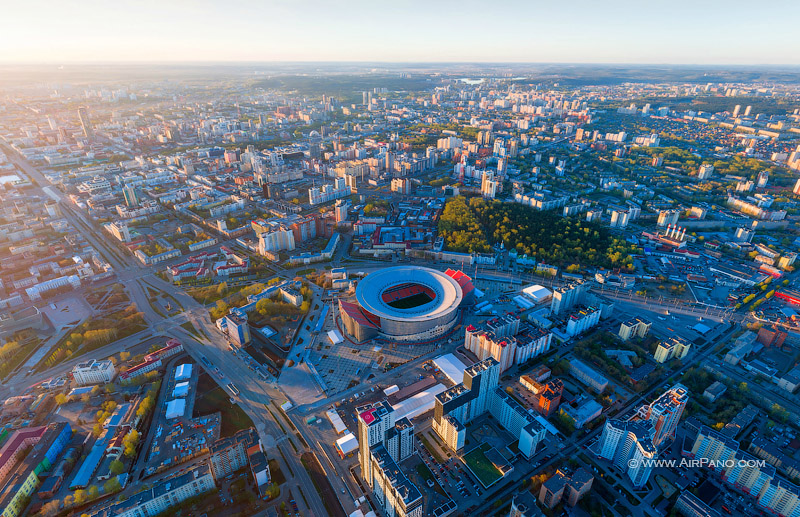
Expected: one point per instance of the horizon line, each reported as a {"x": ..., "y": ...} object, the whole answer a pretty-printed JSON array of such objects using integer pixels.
[{"x": 373, "y": 62}]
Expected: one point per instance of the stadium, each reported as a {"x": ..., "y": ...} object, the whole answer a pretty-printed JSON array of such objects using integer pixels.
[{"x": 405, "y": 304}]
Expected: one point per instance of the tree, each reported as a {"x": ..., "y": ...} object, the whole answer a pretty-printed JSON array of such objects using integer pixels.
[
  {"x": 50, "y": 508},
  {"x": 68, "y": 500},
  {"x": 111, "y": 486},
  {"x": 116, "y": 467},
  {"x": 130, "y": 442},
  {"x": 124, "y": 356},
  {"x": 61, "y": 399},
  {"x": 93, "y": 492},
  {"x": 219, "y": 310},
  {"x": 80, "y": 496}
]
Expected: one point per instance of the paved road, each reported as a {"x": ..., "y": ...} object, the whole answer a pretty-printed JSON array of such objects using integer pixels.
[{"x": 255, "y": 394}]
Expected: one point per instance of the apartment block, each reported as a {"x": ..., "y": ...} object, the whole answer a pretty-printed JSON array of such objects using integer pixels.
[
  {"x": 629, "y": 446},
  {"x": 634, "y": 327},
  {"x": 565, "y": 486},
  {"x": 674, "y": 347}
]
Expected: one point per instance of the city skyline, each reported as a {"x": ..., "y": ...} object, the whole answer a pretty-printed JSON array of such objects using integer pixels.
[{"x": 583, "y": 32}]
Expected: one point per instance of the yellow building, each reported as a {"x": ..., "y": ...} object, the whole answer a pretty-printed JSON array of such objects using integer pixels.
[
  {"x": 672, "y": 348},
  {"x": 634, "y": 327}
]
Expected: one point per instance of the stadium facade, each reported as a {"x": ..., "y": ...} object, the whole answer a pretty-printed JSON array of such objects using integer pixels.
[{"x": 405, "y": 304}]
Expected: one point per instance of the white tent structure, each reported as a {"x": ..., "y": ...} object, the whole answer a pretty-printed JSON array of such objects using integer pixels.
[
  {"x": 336, "y": 421},
  {"x": 346, "y": 444},
  {"x": 183, "y": 372},
  {"x": 335, "y": 336},
  {"x": 418, "y": 404},
  {"x": 451, "y": 366},
  {"x": 537, "y": 293},
  {"x": 181, "y": 390},
  {"x": 175, "y": 408}
]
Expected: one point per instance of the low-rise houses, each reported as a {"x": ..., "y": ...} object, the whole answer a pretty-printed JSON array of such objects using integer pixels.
[{"x": 587, "y": 375}]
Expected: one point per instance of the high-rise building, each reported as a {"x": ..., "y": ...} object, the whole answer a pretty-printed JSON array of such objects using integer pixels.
[
  {"x": 743, "y": 471},
  {"x": 494, "y": 338},
  {"x": 796, "y": 189},
  {"x": 582, "y": 320},
  {"x": 488, "y": 185},
  {"x": 705, "y": 171},
  {"x": 568, "y": 296},
  {"x": 668, "y": 217},
  {"x": 744, "y": 234},
  {"x": 377, "y": 426},
  {"x": 477, "y": 394},
  {"x": 763, "y": 178},
  {"x": 382, "y": 443},
  {"x": 736, "y": 110},
  {"x": 665, "y": 412},
  {"x": 620, "y": 218},
  {"x": 88, "y": 130},
  {"x": 340, "y": 210},
  {"x": 230, "y": 454},
  {"x": 629, "y": 446},
  {"x": 131, "y": 196},
  {"x": 238, "y": 329}
]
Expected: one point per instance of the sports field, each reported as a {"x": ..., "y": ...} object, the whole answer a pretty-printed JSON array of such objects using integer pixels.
[
  {"x": 480, "y": 465},
  {"x": 409, "y": 302}
]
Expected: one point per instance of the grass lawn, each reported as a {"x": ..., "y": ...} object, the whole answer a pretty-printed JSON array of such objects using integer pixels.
[
  {"x": 214, "y": 399},
  {"x": 426, "y": 474},
  {"x": 276, "y": 473},
  {"x": 480, "y": 465},
  {"x": 190, "y": 328},
  {"x": 154, "y": 306},
  {"x": 9, "y": 365}
]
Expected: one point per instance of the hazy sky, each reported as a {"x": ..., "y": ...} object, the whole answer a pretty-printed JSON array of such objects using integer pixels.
[{"x": 583, "y": 31}]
